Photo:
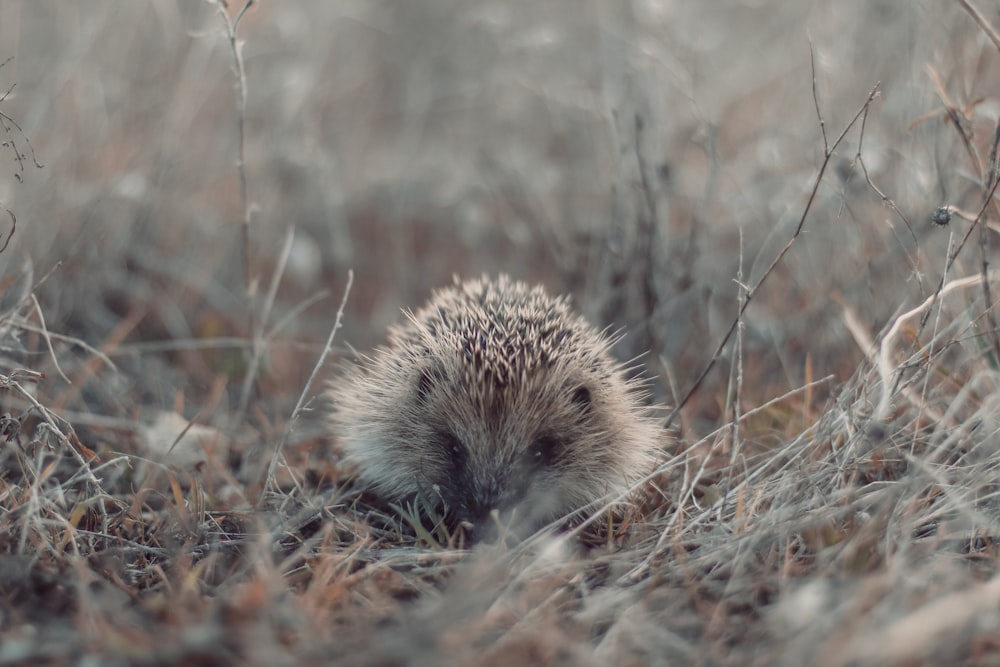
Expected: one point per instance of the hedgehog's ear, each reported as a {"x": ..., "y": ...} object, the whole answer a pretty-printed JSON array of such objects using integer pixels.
[
  {"x": 424, "y": 385},
  {"x": 582, "y": 399},
  {"x": 429, "y": 378}
]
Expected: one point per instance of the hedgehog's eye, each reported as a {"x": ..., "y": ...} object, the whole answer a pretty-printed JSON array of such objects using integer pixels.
[
  {"x": 545, "y": 451},
  {"x": 455, "y": 450}
]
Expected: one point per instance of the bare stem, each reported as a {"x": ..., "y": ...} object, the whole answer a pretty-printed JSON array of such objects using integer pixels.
[
  {"x": 300, "y": 404},
  {"x": 752, "y": 290},
  {"x": 235, "y": 46},
  {"x": 981, "y": 20}
]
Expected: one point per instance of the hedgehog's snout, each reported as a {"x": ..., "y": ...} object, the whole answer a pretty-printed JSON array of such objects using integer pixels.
[
  {"x": 477, "y": 500},
  {"x": 504, "y": 498},
  {"x": 480, "y": 520}
]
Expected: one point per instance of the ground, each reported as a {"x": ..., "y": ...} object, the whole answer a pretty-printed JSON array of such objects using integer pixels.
[{"x": 787, "y": 208}]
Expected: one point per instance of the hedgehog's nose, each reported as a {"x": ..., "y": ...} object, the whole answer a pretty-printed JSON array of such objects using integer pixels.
[
  {"x": 478, "y": 502},
  {"x": 474, "y": 517},
  {"x": 468, "y": 534},
  {"x": 474, "y": 525},
  {"x": 471, "y": 532},
  {"x": 487, "y": 524}
]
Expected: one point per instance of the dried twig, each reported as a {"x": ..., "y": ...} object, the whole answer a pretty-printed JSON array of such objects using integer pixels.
[
  {"x": 300, "y": 404},
  {"x": 859, "y": 159},
  {"x": 981, "y": 20},
  {"x": 45, "y": 336},
  {"x": 992, "y": 177},
  {"x": 7, "y": 123},
  {"x": 886, "y": 367},
  {"x": 27, "y": 326},
  {"x": 961, "y": 244},
  {"x": 258, "y": 342},
  {"x": 231, "y": 27},
  {"x": 13, "y": 227},
  {"x": 752, "y": 290},
  {"x": 959, "y": 118}
]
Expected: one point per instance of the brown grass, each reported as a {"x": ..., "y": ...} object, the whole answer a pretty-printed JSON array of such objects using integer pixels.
[{"x": 201, "y": 244}]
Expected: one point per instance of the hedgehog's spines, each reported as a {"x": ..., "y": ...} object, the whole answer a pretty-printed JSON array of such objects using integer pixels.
[{"x": 499, "y": 368}]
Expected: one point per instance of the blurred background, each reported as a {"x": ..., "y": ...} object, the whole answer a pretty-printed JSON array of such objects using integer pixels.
[{"x": 641, "y": 156}]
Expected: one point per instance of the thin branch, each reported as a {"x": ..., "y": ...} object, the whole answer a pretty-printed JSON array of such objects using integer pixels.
[
  {"x": 6, "y": 122},
  {"x": 649, "y": 296},
  {"x": 958, "y": 118},
  {"x": 981, "y": 20},
  {"x": 738, "y": 393},
  {"x": 43, "y": 330},
  {"x": 752, "y": 290},
  {"x": 871, "y": 350},
  {"x": 13, "y": 226},
  {"x": 221, "y": 342},
  {"x": 294, "y": 312},
  {"x": 236, "y": 47},
  {"x": 258, "y": 342},
  {"x": 819, "y": 114},
  {"x": 72, "y": 443},
  {"x": 961, "y": 244},
  {"x": 885, "y": 365},
  {"x": 24, "y": 324},
  {"x": 885, "y": 200},
  {"x": 984, "y": 253},
  {"x": 299, "y": 405}
]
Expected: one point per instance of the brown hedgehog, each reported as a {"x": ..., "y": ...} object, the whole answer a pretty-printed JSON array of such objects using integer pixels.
[{"x": 495, "y": 395}]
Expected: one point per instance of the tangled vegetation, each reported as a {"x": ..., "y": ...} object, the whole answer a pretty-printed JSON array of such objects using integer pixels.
[{"x": 201, "y": 217}]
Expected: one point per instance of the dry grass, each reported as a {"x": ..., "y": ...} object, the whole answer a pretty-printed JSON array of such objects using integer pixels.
[{"x": 719, "y": 181}]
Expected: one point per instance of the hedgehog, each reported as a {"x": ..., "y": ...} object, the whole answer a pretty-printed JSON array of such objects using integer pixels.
[{"x": 495, "y": 396}]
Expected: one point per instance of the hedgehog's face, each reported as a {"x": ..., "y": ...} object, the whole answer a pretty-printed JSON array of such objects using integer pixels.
[
  {"x": 534, "y": 450},
  {"x": 494, "y": 397}
]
